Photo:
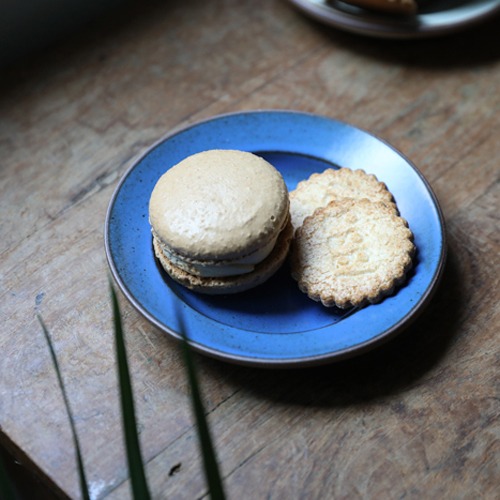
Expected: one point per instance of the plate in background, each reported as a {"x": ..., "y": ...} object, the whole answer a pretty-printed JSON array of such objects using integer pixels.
[
  {"x": 435, "y": 17},
  {"x": 273, "y": 325}
]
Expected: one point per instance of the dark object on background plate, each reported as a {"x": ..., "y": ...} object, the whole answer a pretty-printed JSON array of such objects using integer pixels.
[{"x": 404, "y": 7}]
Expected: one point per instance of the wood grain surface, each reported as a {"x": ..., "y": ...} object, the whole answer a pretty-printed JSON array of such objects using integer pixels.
[{"x": 416, "y": 418}]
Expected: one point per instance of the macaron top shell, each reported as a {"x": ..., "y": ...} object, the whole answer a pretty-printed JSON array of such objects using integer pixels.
[{"x": 219, "y": 204}]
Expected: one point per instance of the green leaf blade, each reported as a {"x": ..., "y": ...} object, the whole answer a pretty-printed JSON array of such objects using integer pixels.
[
  {"x": 138, "y": 480},
  {"x": 211, "y": 467},
  {"x": 81, "y": 469}
]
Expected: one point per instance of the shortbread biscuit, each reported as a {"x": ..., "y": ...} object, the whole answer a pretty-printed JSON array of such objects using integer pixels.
[
  {"x": 351, "y": 253},
  {"x": 332, "y": 185}
]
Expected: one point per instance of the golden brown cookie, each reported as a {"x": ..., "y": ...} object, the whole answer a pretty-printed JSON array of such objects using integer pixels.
[
  {"x": 330, "y": 185},
  {"x": 351, "y": 253}
]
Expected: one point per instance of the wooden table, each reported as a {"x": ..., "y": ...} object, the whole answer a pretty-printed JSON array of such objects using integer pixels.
[{"x": 416, "y": 418}]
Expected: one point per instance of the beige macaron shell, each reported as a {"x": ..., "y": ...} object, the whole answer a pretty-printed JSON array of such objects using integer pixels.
[{"x": 219, "y": 204}]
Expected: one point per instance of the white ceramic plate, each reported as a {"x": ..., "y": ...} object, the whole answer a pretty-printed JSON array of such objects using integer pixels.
[{"x": 435, "y": 17}]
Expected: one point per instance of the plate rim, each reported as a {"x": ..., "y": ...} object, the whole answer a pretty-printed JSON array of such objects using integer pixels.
[
  {"x": 295, "y": 362},
  {"x": 352, "y": 23}
]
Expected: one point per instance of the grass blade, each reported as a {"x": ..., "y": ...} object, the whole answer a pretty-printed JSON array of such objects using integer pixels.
[
  {"x": 136, "y": 468},
  {"x": 81, "y": 470},
  {"x": 211, "y": 468}
]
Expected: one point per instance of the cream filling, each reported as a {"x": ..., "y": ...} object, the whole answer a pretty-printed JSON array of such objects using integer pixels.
[{"x": 222, "y": 269}]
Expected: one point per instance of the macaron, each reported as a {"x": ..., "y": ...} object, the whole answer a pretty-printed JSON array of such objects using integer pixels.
[{"x": 220, "y": 221}]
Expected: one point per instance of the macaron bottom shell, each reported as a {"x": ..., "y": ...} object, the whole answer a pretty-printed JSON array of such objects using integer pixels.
[{"x": 231, "y": 284}]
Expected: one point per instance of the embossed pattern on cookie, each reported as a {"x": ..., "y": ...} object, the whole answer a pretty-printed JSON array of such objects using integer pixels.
[
  {"x": 332, "y": 185},
  {"x": 351, "y": 253}
]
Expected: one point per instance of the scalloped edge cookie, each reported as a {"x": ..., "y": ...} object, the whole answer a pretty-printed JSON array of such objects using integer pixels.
[
  {"x": 351, "y": 253},
  {"x": 334, "y": 184}
]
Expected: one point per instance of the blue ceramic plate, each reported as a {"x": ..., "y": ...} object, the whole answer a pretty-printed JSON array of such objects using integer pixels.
[{"x": 273, "y": 324}]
